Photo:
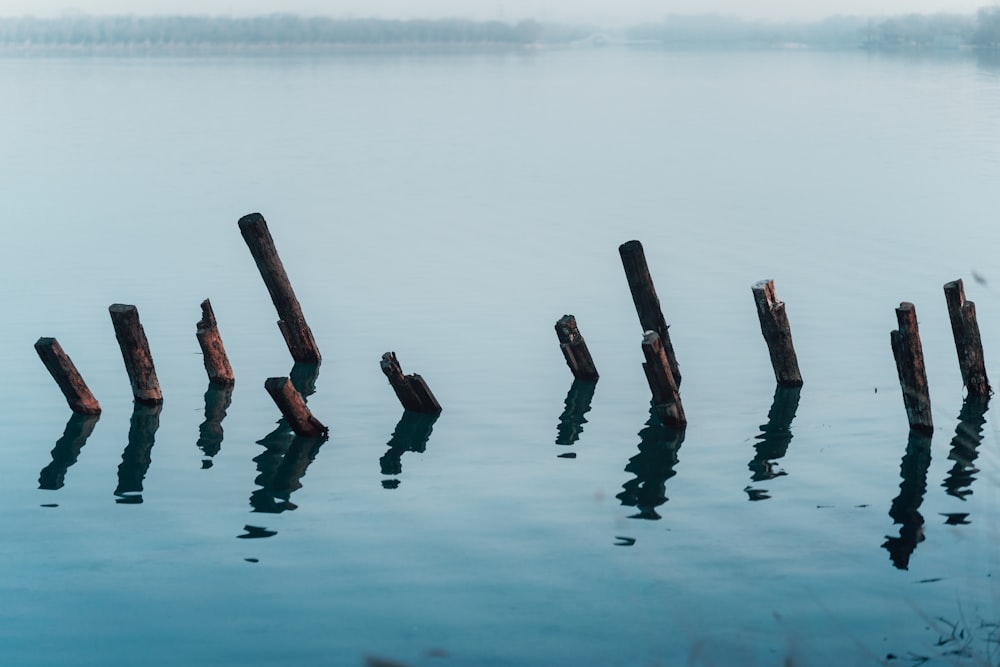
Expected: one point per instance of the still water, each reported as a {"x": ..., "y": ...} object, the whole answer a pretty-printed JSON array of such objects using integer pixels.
[{"x": 451, "y": 208}]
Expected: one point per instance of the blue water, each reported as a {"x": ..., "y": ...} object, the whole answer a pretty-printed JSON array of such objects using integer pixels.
[{"x": 452, "y": 208}]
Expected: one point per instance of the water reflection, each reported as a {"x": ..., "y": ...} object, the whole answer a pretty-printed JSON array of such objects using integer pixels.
[
  {"x": 964, "y": 449},
  {"x": 217, "y": 400},
  {"x": 67, "y": 450},
  {"x": 411, "y": 435},
  {"x": 303, "y": 377},
  {"x": 905, "y": 507},
  {"x": 571, "y": 421},
  {"x": 136, "y": 457},
  {"x": 773, "y": 439},
  {"x": 652, "y": 467}
]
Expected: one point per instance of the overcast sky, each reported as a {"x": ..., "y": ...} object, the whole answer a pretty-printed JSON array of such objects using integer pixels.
[{"x": 607, "y": 10}]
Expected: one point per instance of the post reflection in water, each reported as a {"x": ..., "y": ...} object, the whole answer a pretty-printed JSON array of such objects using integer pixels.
[
  {"x": 652, "y": 467},
  {"x": 964, "y": 452},
  {"x": 136, "y": 457},
  {"x": 773, "y": 439},
  {"x": 571, "y": 421},
  {"x": 217, "y": 400},
  {"x": 411, "y": 435},
  {"x": 905, "y": 507},
  {"x": 67, "y": 450}
]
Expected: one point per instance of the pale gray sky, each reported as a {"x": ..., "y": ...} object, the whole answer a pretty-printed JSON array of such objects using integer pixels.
[{"x": 600, "y": 10}]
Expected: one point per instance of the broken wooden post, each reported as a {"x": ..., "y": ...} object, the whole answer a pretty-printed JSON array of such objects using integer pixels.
[
  {"x": 135, "y": 352},
  {"x": 293, "y": 408},
  {"x": 411, "y": 390},
  {"x": 647, "y": 305},
  {"x": 70, "y": 381},
  {"x": 666, "y": 399},
  {"x": 216, "y": 362},
  {"x": 298, "y": 336},
  {"x": 777, "y": 334},
  {"x": 909, "y": 356},
  {"x": 968, "y": 343},
  {"x": 574, "y": 349}
]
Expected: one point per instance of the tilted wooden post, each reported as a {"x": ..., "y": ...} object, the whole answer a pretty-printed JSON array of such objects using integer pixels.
[
  {"x": 968, "y": 343},
  {"x": 666, "y": 398},
  {"x": 135, "y": 352},
  {"x": 574, "y": 349},
  {"x": 909, "y": 356},
  {"x": 298, "y": 336},
  {"x": 777, "y": 334},
  {"x": 411, "y": 390},
  {"x": 647, "y": 304},
  {"x": 216, "y": 362},
  {"x": 70, "y": 381},
  {"x": 294, "y": 409}
]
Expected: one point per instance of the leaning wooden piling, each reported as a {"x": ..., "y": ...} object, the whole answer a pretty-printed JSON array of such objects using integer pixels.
[
  {"x": 666, "y": 398},
  {"x": 135, "y": 352},
  {"x": 214, "y": 352},
  {"x": 574, "y": 349},
  {"x": 909, "y": 356},
  {"x": 777, "y": 333},
  {"x": 647, "y": 304},
  {"x": 298, "y": 336},
  {"x": 968, "y": 342},
  {"x": 294, "y": 409},
  {"x": 63, "y": 371},
  {"x": 411, "y": 390}
]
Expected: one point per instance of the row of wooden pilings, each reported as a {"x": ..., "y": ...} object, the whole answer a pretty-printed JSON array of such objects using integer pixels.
[{"x": 660, "y": 366}]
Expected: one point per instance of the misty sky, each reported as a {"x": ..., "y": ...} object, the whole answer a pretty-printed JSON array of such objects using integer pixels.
[{"x": 606, "y": 10}]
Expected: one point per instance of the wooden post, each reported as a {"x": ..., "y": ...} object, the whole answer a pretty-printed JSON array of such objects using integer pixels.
[
  {"x": 647, "y": 305},
  {"x": 967, "y": 340},
  {"x": 293, "y": 408},
  {"x": 70, "y": 381},
  {"x": 411, "y": 390},
  {"x": 909, "y": 356},
  {"x": 135, "y": 352},
  {"x": 574, "y": 349},
  {"x": 298, "y": 336},
  {"x": 666, "y": 399},
  {"x": 777, "y": 334},
  {"x": 216, "y": 362}
]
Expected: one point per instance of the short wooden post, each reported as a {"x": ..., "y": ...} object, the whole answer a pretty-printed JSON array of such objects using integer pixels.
[
  {"x": 216, "y": 362},
  {"x": 666, "y": 398},
  {"x": 777, "y": 334},
  {"x": 574, "y": 349},
  {"x": 135, "y": 352},
  {"x": 412, "y": 391},
  {"x": 968, "y": 343},
  {"x": 298, "y": 336},
  {"x": 293, "y": 408},
  {"x": 909, "y": 356},
  {"x": 647, "y": 304},
  {"x": 70, "y": 381}
]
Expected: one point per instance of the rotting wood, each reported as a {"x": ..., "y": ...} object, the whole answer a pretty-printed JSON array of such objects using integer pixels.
[
  {"x": 647, "y": 304},
  {"x": 666, "y": 398},
  {"x": 777, "y": 333},
  {"x": 63, "y": 371},
  {"x": 968, "y": 342},
  {"x": 298, "y": 336},
  {"x": 216, "y": 362},
  {"x": 411, "y": 390},
  {"x": 907, "y": 350},
  {"x": 293, "y": 408},
  {"x": 135, "y": 353},
  {"x": 574, "y": 349}
]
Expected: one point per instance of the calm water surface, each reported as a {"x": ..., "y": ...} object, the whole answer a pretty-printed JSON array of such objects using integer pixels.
[{"x": 452, "y": 208}]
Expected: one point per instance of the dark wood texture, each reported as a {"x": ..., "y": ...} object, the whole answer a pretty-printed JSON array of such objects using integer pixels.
[
  {"x": 777, "y": 333},
  {"x": 666, "y": 398},
  {"x": 647, "y": 304},
  {"x": 70, "y": 382},
  {"x": 574, "y": 349},
  {"x": 216, "y": 362},
  {"x": 412, "y": 391},
  {"x": 968, "y": 343},
  {"x": 909, "y": 356},
  {"x": 135, "y": 352},
  {"x": 293, "y": 408}
]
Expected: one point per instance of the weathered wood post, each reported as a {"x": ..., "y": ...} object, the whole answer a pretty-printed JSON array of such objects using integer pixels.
[
  {"x": 412, "y": 391},
  {"x": 666, "y": 399},
  {"x": 968, "y": 343},
  {"x": 647, "y": 305},
  {"x": 216, "y": 362},
  {"x": 135, "y": 352},
  {"x": 909, "y": 356},
  {"x": 574, "y": 349},
  {"x": 294, "y": 409},
  {"x": 70, "y": 381},
  {"x": 777, "y": 333},
  {"x": 298, "y": 336}
]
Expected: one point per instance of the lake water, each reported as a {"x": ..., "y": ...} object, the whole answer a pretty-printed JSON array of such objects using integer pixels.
[{"x": 451, "y": 208}]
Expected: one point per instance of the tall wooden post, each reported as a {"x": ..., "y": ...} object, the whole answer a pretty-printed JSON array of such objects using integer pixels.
[
  {"x": 135, "y": 352},
  {"x": 294, "y": 409},
  {"x": 968, "y": 343},
  {"x": 411, "y": 390},
  {"x": 70, "y": 381},
  {"x": 216, "y": 362},
  {"x": 647, "y": 304},
  {"x": 777, "y": 333},
  {"x": 298, "y": 336},
  {"x": 574, "y": 349},
  {"x": 909, "y": 356},
  {"x": 666, "y": 398}
]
